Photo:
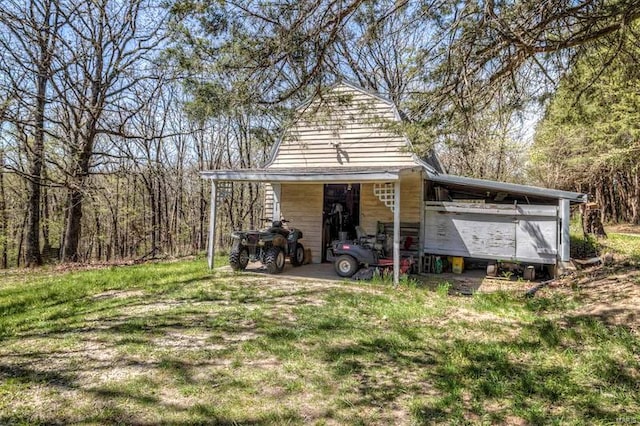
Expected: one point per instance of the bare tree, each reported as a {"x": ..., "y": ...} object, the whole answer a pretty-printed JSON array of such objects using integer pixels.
[
  {"x": 4, "y": 218},
  {"x": 379, "y": 49},
  {"x": 110, "y": 45},
  {"x": 30, "y": 37}
]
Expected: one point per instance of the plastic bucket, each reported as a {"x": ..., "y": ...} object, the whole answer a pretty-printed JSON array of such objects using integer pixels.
[{"x": 457, "y": 265}]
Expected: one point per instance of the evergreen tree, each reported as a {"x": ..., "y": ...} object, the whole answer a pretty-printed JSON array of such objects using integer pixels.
[{"x": 589, "y": 139}]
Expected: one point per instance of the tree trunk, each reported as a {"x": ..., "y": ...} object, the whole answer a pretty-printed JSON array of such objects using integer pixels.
[
  {"x": 202, "y": 210},
  {"x": 46, "y": 217},
  {"x": 33, "y": 256},
  {"x": 98, "y": 236},
  {"x": 202, "y": 216},
  {"x": 4, "y": 219},
  {"x": 73, "y": 231},
  {"x": 21, "y": 238},
  {"x": 74, "y": 226},
  {"x": 113, "y": 251},
  {"x": 613, "y": 200},
  {"x": 635, "y": 218}
]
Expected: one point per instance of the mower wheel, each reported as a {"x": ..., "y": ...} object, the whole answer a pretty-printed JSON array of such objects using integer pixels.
[
  {"x": 529, "y": 273},
  {"x": 274, "y": 260},
  {"x": 345, "y": 265},
  {"x": 239, "y": 258},
  {"x": 492, "y": 269},
  {"x": 297, "y": 257}
]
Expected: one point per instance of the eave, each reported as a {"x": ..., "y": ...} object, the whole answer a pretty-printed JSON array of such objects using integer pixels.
[{"x": 312, "y": 175}]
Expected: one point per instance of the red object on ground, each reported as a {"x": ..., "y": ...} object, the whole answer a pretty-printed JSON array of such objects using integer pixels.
[{"x": 405, "y": 264}]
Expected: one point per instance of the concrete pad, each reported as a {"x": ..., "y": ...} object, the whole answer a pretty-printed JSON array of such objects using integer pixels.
[
  {"x": 467, "y": 283},
  {"x": 311, "y": 271}
]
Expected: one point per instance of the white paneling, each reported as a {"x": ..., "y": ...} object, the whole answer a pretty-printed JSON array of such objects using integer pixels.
[
  {"x": 536, "y": 236},
  {"x": 302, "y": 206},
  {"x": 345, "y": 127},
  {"x": 497, "y": 232}
]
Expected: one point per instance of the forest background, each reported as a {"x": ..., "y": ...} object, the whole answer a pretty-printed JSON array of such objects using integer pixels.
[{"x": 110, "y": 108}]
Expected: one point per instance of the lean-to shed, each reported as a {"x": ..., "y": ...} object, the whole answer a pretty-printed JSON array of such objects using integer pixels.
[{"x": 343, "y": 166}]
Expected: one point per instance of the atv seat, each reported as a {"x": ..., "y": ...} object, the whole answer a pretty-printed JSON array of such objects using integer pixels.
[
  {"x": 281, "y": 231},
  {"x": 276, "y": 228}
]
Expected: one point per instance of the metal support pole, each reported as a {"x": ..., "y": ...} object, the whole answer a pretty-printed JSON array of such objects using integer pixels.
[
  {"x": 421, "y": 241},
  {"x": 277, "y": 189},
  {"x": 212, "y": 225},
  {"x": 565, "y": 219},
  {"x": 396, "y": 233}
]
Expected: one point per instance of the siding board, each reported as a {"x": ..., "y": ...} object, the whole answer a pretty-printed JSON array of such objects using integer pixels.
[
  {"x": 302, "y": 206},
  {"x": 268, "y": 200},
  {"x": 372, "y": 210},
  {"x": 346, "y": 127},
  {"x": 493, "y": 232}
]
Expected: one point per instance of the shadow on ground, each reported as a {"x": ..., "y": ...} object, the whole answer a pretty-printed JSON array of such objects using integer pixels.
[{"x": 255, "y": 352}]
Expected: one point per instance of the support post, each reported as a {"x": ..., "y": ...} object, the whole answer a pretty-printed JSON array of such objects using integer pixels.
[
  {"x": 277, "y": 189},
  {"x": 396, "y": 233},
  {"x": 565, "y": 219},
  {"x": 421, "y": 241},
  {"x": 212, "y": 224}
]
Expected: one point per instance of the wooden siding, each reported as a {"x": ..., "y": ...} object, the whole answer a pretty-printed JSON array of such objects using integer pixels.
[
  {"x": 524, "y": 233},
  {"x": 372, "y": 210},
  {"x": 302, "y": 205},
  {"x": 268, "y": 200},
  {"x": 346, "y": 127}
]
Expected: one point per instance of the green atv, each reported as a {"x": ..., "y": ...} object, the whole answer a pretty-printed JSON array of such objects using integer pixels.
[{"x": 270, "y": 246}]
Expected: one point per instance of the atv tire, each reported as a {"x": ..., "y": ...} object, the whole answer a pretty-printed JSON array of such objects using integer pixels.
[
  {"x": 346, "y": 266},
  {"x": 297, "y": 257},
  {"x": 274, "y": 260},
  {"x": 238, "y": 259}
]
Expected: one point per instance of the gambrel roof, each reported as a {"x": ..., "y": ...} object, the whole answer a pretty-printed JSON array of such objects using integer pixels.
[{"x": 346, "y": 126}]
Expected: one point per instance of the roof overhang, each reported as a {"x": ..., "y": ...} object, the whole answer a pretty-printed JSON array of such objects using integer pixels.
[
  {"x": 511, "y": 188},
  {"x": 311, "y": 175}
]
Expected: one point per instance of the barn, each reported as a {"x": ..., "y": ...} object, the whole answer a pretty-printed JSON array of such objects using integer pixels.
[{"x": 344, "y": 167}]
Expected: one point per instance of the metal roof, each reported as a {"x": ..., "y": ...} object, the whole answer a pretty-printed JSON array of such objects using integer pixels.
[
  {"x": 512, "y": 188},
  {"x": 381, "y": 174},
  {"x": 312, "y": 174}
]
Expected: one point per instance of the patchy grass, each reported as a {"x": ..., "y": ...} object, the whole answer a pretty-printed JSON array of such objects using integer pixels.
[
  {"x": 607, "y": 293},
  {"x": 627, "y": 245},
  {"x": 172, "y": 343}
]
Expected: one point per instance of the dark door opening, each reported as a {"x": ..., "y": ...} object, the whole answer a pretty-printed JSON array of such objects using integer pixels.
[{"x": 340, "y": 213}]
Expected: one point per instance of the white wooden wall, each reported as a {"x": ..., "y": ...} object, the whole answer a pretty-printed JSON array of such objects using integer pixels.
[
  {"x": 524, "y": 233},
  {"x": 301, "y": 204},
  {"x": 268, "y": 200},
  {"x": 346, "y": 127},
  {"x": 372, "y": 210}
]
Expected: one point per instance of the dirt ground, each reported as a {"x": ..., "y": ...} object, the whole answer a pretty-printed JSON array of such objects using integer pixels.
[
  {"x": 624, "y": 228},
  {"x": 610, "y": 293}
]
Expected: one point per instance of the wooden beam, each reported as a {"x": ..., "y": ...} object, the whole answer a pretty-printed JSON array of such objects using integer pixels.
[
  {"x": 212, "y": 225},
  {"x": 299, "y": 177},
  {"x": 492, "y": 209},
  {"x": 396, "y": 234}
]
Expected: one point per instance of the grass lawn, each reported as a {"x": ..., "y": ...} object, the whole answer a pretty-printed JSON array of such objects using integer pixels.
[{"x": 172, "y": 343}]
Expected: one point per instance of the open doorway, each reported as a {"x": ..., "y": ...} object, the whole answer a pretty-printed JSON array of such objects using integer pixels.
[{"x": 340, "y": 213}]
